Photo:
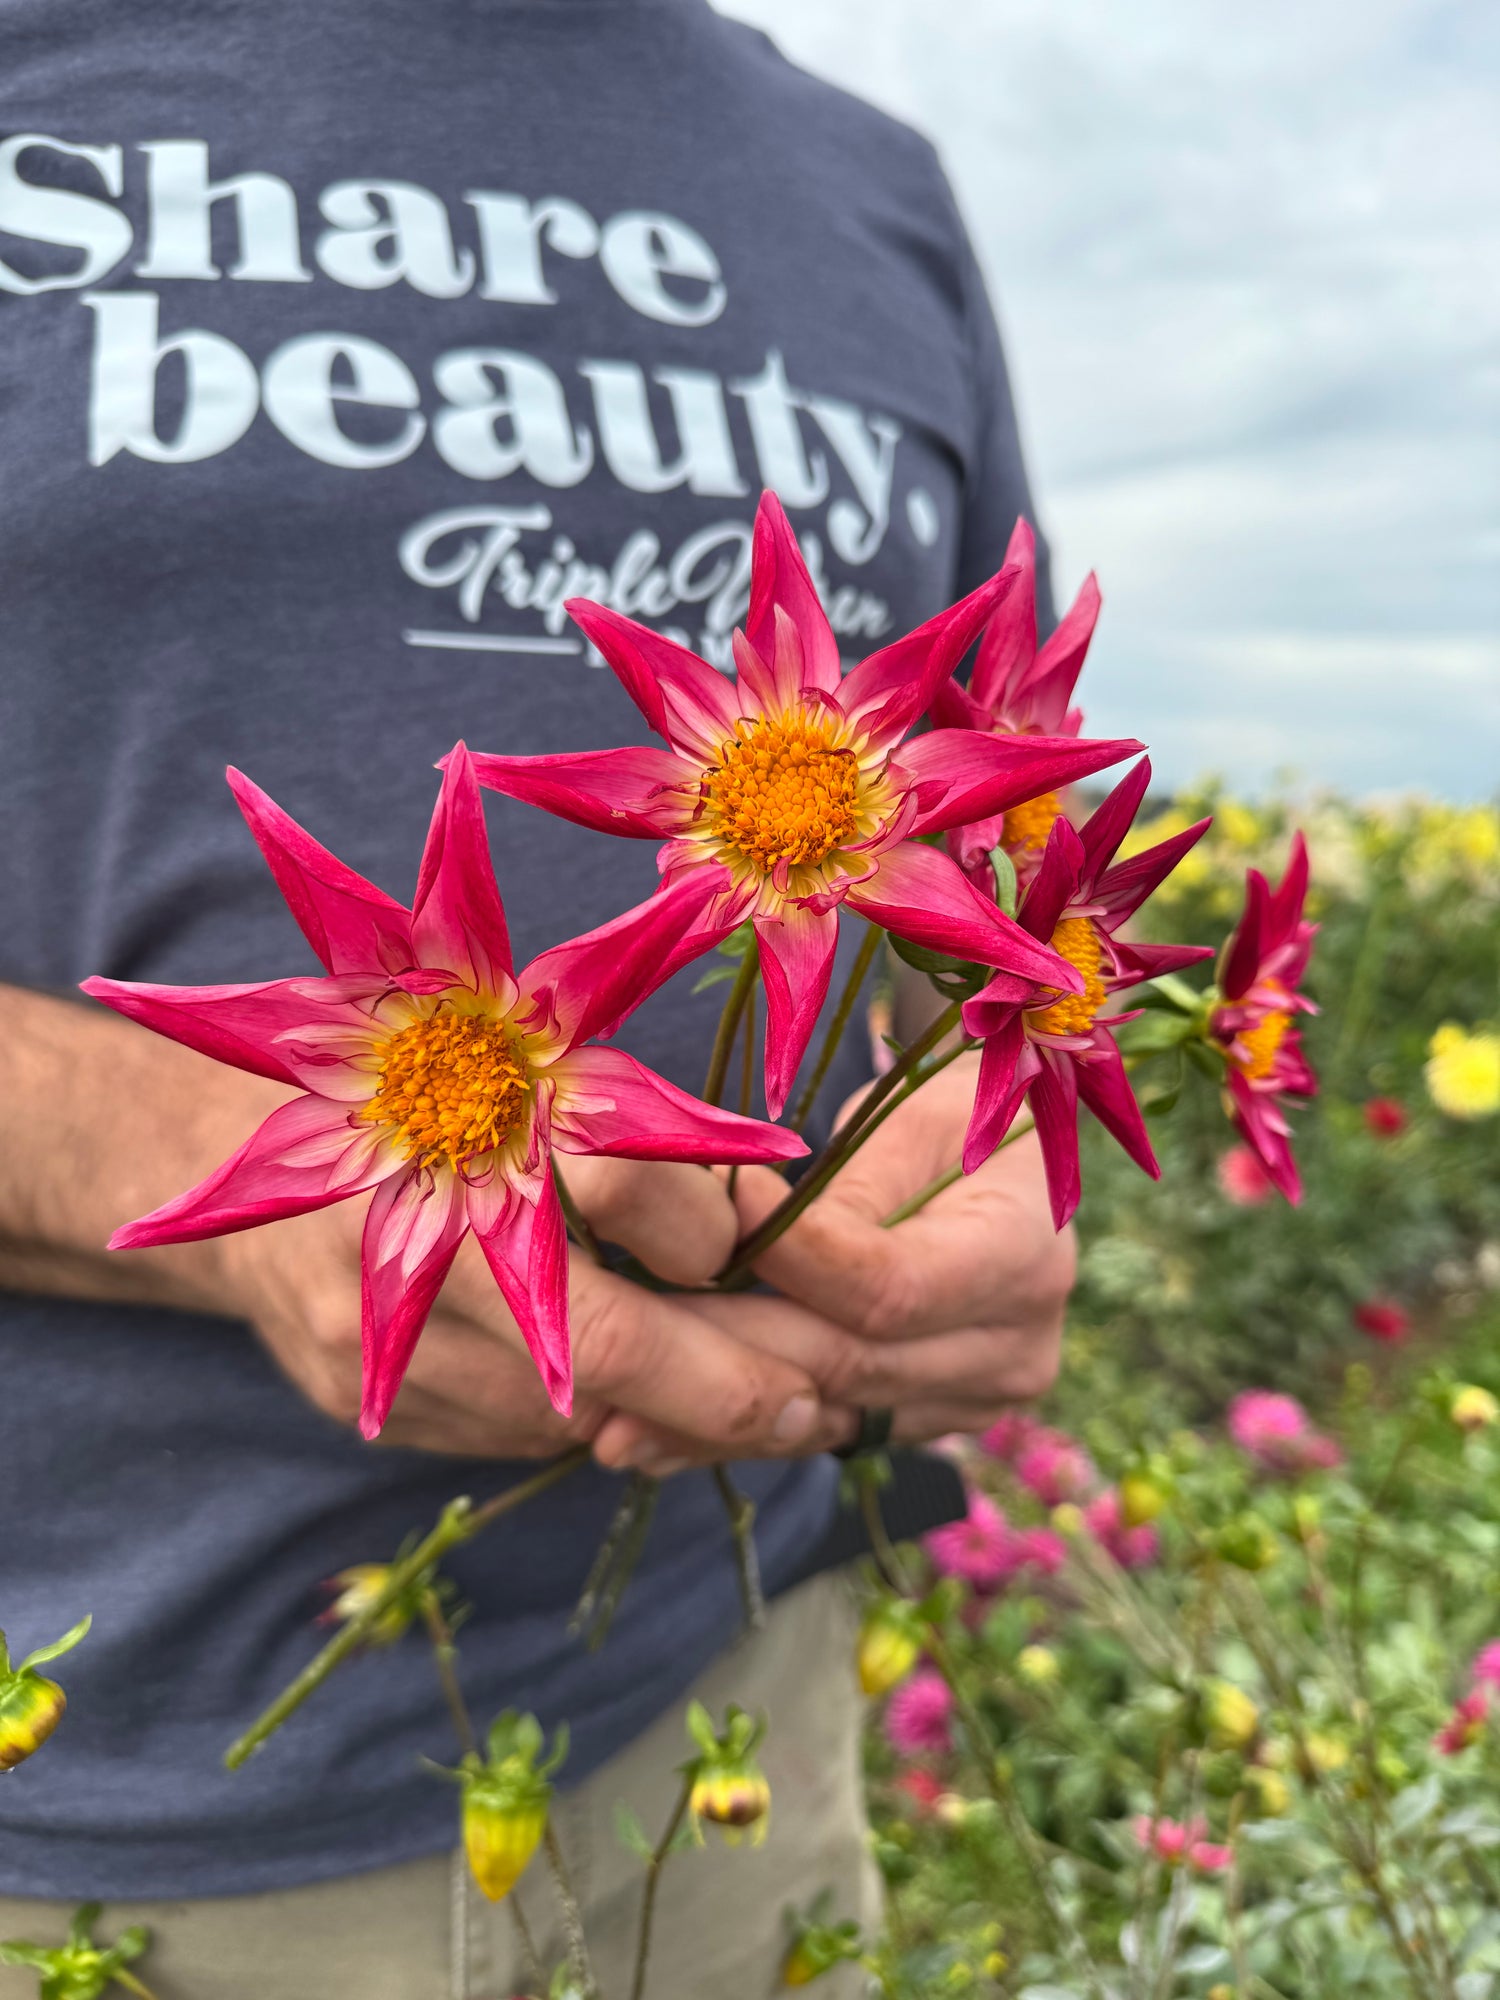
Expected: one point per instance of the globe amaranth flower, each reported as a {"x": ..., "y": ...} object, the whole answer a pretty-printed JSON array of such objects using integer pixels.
[
  {"x": 919, "y": 1715},
  {"x": 1132, "y": 1545},
  {"x": 436, "y": 1077},
  {"x": 1056, "y": 1050},
  {"x": 1277, "y": 1433},
  {"x": 1463, "y": 1071},
  {"x": 1019, "y": 688},
  {"x": 1256, "y": 1023},
  {"x": 795, "y": 780}
]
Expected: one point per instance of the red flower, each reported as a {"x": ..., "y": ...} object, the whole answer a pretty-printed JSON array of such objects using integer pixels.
[
  {"x": 1385, "y": 1117},
  {"x": 1383, "y": 1320},
  {"x": 435, "y": 1077},
  {"x": 1257, "y": 1023},
  {"x": 1060, "y": 1049},
  {"x": 1019, "y": 689},
  {"x": 1465, "y": 1725},
  {"x": 794, "y": 778},
  {"x": 1242, "y": 1179}
]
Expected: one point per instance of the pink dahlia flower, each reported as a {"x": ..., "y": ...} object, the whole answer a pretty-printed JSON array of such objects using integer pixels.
[
  {"x": 977, "y": 1548},
  {"x": 1173, "y": 1843},
  {"x": 1465, "y": 1725},
  {"x": 1383, "y": 1320},
  {"x": 1486, "y": 1668},
  {"x": 1055, "y": 1467},
  {"x": 791, "y": 782},
  {"x": 1019, "y": 689},
  {"x": 1242, "y": 1179},
  {"x": 1006, "y": 1438},
  {"x": 1276, "y": 1432},
  {"x": 1131, "y": 1547},
  {"x": 919, "y": 1714},
  {"x": 436, "y": 1078},
  {"x": 1060, "y": 1050},
  {"x": 1257, "y": 1024}
]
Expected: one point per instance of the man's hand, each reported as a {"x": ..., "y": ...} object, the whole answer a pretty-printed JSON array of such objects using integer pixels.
[{"x": 948, "y": 1318}]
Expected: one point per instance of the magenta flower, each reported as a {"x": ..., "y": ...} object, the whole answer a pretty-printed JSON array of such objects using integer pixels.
[
  {"x": 1037, "y": 1548},
  {"x": 1061, "y": 1050},
  {"x": 1210, "y": 1857},
  {"x": 1383, "y": 1320},
  {"x": 1174, "y": 1843},
  {"x": 977, "y": 1548},
  {"x": 1277, "y": 1433},
  {"x": 1242, "y": 1179},
  {"x": 436, "y": 1078},
  {"x": 1019, "y": 689},
  {"x": 1465, "y": 1725},
  {"x": 1486, "y": 1668},
  {"x": 1131, "y": 1547},
  {"x": 1008, "y": 1435},
  {"x": 795, "y": 780},
  {"x": 918, "y": 1716},
  {"x": 1055, "y": 1467},
  {"x": 1257, "y": 1024}
]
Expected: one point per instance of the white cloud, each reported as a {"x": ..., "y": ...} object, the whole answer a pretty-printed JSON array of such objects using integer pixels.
[{"x": 1246, "y": 264}]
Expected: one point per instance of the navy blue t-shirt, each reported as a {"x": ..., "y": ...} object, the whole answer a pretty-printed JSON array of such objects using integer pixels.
[{"x": 339, "y": 344}]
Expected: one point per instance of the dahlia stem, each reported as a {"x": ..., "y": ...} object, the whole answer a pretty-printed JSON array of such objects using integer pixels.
[
  {"x": 729, "y": 1021},
  {"x": 445, "y": 1656},
  {"x": 741, "y": 1511},
  {"x": 858, "y": 972},
  {"x": 574, "y": 1217},
  {"x": 747, "y": 1079},
  {"x": 459, "y": 1522},
  {"x": 905, "y": 1075},
  {"x": 615, "y": 1563},
  {"x": 914, "y": 1204},
  {"x": 654, "y": 1867},
  {"x": 572, "y": 1916},
  {"x": 532, "y": 1969}
]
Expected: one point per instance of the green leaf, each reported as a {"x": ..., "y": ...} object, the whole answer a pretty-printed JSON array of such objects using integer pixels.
[
  {"x": 630, "y": 1833},
  {"x": 16, "y": 1952},
  {"x": 1006, "y": 892},
  {"x": 58, "y": 1647},
  {"x": 81, "y": 1930},
  {"x": 1153, "y": 1033}
]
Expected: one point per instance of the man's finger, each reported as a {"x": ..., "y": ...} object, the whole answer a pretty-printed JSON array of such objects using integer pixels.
[{"x": 678, "y": 1219}]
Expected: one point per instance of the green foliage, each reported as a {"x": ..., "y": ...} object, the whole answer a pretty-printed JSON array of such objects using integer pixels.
[{"x": 80, "y": 1969}]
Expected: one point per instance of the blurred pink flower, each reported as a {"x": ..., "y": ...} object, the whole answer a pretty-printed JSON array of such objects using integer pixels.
[
  {"x": 918, "y": 1714},
  {"x": 1007, "y": 1438},
  {"x": 976, "y": 1548},
  {"x": 1385, "y": 1117},
  {"x": 1383, "y": 1320},
  {"x": 1131, "y": 1548},
  {"x": 1242, "y": 1179},
  {"x": 1275, "y": 1431},
  {"x": 1210, "y": 1857},
  {"x": 1466, "y": 1724},
  {"x": 1486, "y": 1668},
  {"x": 921, "y": 1787},
  {"x": 1037, "y": 1548},
  {"x": 1054, "y": 1467},
  {"x": 1172, "y": 1842}
]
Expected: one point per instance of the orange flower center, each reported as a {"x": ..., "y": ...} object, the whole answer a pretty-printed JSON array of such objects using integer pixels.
[
  {"x": 1028, "y": 824},
  {"x": 453, "y": 1086},
  {"x": 1256, "y": 1048},
  {"x": 780, "y": 791},
  {"x": 1076, "y": 940}
]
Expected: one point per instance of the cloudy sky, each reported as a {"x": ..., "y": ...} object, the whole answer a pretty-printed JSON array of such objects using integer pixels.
[{"x": 1247, "y": 262}]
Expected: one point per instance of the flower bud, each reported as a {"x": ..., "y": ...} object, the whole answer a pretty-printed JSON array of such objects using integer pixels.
[
  {"x": 1038, "y": 1665},
  {"x": 888, "y": 1649},
  {"x": 356, "y": 1589},
  {"x": 1231, "y": 1715},
  {"x": 1473, "y": 1408},
  {"x": 728, "y": 1787},
  {"x": 1141, "y": 1499},
  {"x": 1273, "y": 1795},
  {"x": 1068, "y": 1520},
  {"x": 733, "y": 1800},
  {"x": 1246, "y": 1542},
  {"x": 31, "y": 1706},
  {"x": 505, "y": 1800}
]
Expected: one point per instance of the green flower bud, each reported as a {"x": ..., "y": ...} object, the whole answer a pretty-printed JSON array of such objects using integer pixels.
[
  {"x": 1247, "y": 1542},
  {"x": 889, "y": 1645},
  {"x": 728, "y": 1787},
  {"x": 31, "y": 1706},
  {"x": 505, "y": 1801}
]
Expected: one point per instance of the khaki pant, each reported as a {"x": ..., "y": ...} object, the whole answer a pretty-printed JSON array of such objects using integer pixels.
[{"x": 421, "y": 1932}]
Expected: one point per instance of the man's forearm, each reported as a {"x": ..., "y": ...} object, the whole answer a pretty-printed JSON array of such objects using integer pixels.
[{"x": 99, "y": 1122}]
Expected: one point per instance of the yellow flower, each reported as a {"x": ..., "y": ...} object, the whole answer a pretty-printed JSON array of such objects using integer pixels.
[
  {"x": 888, "y": 1649},
  {"x": 1473, "y": 1408},
  {"x": 1325, "y": 1753},
  {"x": 1037, "y": 1664},
  {"x": 1272, "y": 1793},
  {"x": 1463, "y": 1071},
  {"x": 1141, "y": 1499},
  {"x": 1232, "y": 1716},
  {"x": 1068, "y": 1520}
]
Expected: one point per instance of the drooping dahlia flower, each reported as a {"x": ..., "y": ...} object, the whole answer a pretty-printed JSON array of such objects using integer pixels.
[
  {"x": 435, "y": 1077},
  {"x": 1019, "y": 689},
  {"x": 1256, "y": 1025},
  {"x": 794, "y": 778},
  {"x": 1060, "y": 1049}
]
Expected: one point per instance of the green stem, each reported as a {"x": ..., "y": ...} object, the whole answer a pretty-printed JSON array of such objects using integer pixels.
[
  {"x": 445, "y": 1654},
  {"x": 914, "y": 1204},
  {"x": 574, "y": 1217},
  {"x": 532, "y": 1969},
  {"x": 572, "y": 1916},
  {"x": 904, "y": 1076},
  {"x": 654, "y": 1867},
  {"x": 729, "y": 1021},
  {"x": 133, "y": 1984},
  {"x": 858, "y": 972},
  {"x": 747, "y": 1079},
  {"x": 460, "y": 1522},
  {"x": 741, "y": 1511}
]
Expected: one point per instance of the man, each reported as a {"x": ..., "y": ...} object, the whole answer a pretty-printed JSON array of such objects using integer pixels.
[{"x": 338, "y": 346}]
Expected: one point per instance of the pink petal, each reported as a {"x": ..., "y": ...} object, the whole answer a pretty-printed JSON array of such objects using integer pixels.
[
  {"x": 306, "y": 1155},
  {"x": 1109, "y": 823},
  {"x": 1105, "y": 1089},
  {"x": 458, "y": 920},
  {"x": 886, "y": 693},
  {"x": 953, "y": 707},
  {"x": 1123, "y": 888},
  {"x": 1047, "y": 687},
  {"x": 1287, "y": 902},
  {"x": 919, "y": 893},
  {"x": 1247, "y": 946},
  {"x": 608, "y": 1103},
  {"x": 412, "y": 1233},
  {"x": 1268, "y": 1135},
  {"x": 350, "y": 924},
  {"x": 1000, "y": 1091},
  {"x": 796, "y": 963},
  {"x": 1056, "y": 881},
  {"x": 526, "y": 1248},
  {"x": 779, "y": 579},
  {"x": 767, "y": 683},
  {"x": 1008, "y": 647},
  {"x": 1054, "y": 1106},
  {"x": 638, "y": 792},
  {"x": 1150, "y": 961},
  {"x": 254, "y": 1028},
  {"x": 985, "y": 774},
  {"x": 587, "y": 986},
  {"x": 680, "y": 695}
]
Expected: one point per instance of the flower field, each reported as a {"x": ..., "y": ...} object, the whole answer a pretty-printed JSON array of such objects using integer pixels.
[{"x": 1228, "y": 1606}]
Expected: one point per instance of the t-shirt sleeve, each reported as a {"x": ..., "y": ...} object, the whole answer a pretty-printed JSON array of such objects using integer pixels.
[{"x": 996, "y": 488}]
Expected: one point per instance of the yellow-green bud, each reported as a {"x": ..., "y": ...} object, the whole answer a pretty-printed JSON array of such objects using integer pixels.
[
  {"x": 1325, "y": 1753},
  {"x": 1232, "y": 1716},
  {"x": 1473, "y": 1408},
  {"x": 357, "y": 1588},
  {"x": 1246, "y": 1542},
  {"x": 1038, "y": 1665},
  {"x": 505, "y": 1800},
  {"x": 1273, "y": 1795},
  {"x": 888, "y": 1649},
  {"x": 728, "y": 1787},
  {"x": 1141, "y": 1499},
  {"x": 31, "y": 1706},
  {"x": 1068, "y": 1519}
]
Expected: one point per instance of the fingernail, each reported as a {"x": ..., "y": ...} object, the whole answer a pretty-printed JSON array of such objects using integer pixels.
[
  {"x": 655, "y": 1464},
  {"x": 797, "y": 1421}
]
